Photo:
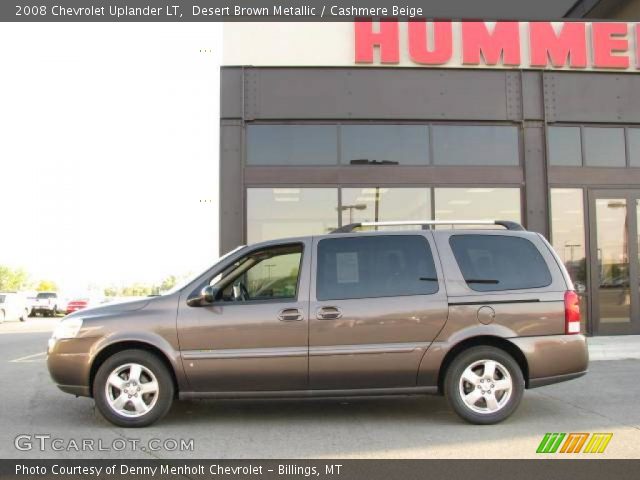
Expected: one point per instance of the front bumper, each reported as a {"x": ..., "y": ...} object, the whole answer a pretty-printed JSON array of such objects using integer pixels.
[
  {"x": 554, "y": 358},
  {"x": 69, "y": 364}
]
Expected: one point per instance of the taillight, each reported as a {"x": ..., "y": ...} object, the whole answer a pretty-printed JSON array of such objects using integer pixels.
[{"x": 571, "y": 312}]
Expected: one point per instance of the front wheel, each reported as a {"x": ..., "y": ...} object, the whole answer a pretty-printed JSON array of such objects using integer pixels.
[
  {"x": 484, "y": 385},
  {"x": 133, "y": 388}
]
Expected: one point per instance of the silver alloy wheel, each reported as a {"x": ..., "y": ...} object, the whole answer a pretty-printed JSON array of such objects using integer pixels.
[
  {"x": 132, "y": 390},
  {"x": 485, "y": 386}
]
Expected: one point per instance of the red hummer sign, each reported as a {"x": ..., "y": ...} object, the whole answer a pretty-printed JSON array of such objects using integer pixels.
[{"x": 545, "y": 45}]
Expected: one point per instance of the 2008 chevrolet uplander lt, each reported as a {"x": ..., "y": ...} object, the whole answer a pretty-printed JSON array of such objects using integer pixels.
[{"x": 475, "y": 314}]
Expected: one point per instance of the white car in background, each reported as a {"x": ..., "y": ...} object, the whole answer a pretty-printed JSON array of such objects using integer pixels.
[{"x": 13, "y": 306}]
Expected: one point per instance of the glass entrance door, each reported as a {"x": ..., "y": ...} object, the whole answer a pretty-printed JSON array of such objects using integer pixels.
[{"x": 613, "y": 219}]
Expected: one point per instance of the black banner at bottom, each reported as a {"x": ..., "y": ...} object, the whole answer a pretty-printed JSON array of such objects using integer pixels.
[{"x": 581, "y": 469}]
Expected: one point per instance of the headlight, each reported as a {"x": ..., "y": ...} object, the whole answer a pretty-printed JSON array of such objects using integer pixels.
[{"x": 67, "y": 328}]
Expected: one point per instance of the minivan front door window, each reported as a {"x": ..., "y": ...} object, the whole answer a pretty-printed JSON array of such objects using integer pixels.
[{"x": 266, "y": 274}]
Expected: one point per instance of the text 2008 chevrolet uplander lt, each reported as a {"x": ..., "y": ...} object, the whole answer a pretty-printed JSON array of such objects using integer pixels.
[{"x": 475, "y": 314}]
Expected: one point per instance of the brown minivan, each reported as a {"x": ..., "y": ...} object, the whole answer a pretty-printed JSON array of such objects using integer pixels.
[{"x": 475, "y": 314}]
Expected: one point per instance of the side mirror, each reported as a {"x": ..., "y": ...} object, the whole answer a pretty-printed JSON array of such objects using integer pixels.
[{"x": 207, "y": 295}]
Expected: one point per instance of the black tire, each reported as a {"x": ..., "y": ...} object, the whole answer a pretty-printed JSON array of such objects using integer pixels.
[
  {"x": 452, "y": 387},
  {"x": 2, "y": 316},
  {"x": 151, "y": 362}
]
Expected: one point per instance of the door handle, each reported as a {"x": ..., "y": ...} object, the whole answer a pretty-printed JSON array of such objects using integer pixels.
[
  {"x": 328, "y": 313},
  {"x": 290, "y": 315}
]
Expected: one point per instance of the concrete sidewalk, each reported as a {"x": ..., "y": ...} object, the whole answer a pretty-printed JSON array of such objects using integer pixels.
[{"x": 622, "y": 347}]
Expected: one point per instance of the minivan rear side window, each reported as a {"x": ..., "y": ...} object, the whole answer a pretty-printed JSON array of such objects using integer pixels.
[
  {"x": 499, "y": 262},
  {"x": 375, "y": 266}
]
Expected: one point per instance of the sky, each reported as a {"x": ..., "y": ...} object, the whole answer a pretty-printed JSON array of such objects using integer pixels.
[{"x": 109, "y": 150}]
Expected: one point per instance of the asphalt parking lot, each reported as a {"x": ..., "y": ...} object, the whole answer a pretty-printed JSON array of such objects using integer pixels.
[{"x": 606, "y": 400}]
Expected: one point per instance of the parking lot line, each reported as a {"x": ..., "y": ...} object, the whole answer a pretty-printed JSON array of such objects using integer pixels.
[{"x": 28, "y": 358}]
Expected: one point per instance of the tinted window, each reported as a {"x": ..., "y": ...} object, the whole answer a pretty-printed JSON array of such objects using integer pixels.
[
  {"x": 475, "y": 145},
  {"x": 604, "y": 147},
  {"x": 494, "y": 262},
  {"x": 2, "y": 297},
  {"x": 564, "y": 146},
  {"x": 385, "y": 144},
  {"x": 381, "y": 266},
  {"x": 292, "y": 145}
]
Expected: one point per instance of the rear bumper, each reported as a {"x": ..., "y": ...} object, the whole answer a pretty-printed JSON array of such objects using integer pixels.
[
  {"x": 541, "y": 382},
  {"x": 553, "y": 358}
]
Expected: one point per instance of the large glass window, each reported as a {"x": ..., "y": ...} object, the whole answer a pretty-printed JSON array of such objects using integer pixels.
[
  {"x": 495, "y": 262},
  {"x": 384, "y": 145},
  {"x": 564, "y": 146},
  {"x": 477, "y": 203},
  {"x": 612, "y": 247},
  {"x": 633, "y": 143},
  {"x": 604, "y": 147},
  {"x": 292, "y": 145},
  {"x": 372, "y": 204},
  {"x": 475, "y": 145},
  {"x": 372, "y": 267},
  {"x": 287, "y": 212},
  {"x": 267, "y": 274},
  {"x": 568, "y": 239}
]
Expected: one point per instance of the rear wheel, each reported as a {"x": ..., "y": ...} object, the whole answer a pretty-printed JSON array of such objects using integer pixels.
[
  {"x": 133, "y": 388},
  {"x": 484, "y": 385},
  {"x": 2, "y": 316}
]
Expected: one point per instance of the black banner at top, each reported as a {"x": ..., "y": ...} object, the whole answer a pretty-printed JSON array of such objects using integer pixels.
[{"x": 289, "y": 10}]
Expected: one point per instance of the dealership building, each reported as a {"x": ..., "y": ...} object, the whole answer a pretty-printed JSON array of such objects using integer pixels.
[{"x": 325, "y": 124}]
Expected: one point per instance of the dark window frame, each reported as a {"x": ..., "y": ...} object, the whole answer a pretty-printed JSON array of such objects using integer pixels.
[
  {"x": 583, "y": 161},
  {"x": 427, "y": 124}
]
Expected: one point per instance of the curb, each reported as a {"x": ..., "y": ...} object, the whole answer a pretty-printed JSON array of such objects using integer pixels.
[{"x": 625, "y": 347}]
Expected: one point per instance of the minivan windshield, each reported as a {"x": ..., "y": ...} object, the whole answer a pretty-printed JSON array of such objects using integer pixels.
[{"x": 180, "y": 286}]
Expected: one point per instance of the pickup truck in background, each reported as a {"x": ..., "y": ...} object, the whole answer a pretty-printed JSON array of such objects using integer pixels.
[{"x": 49, "y": 304}]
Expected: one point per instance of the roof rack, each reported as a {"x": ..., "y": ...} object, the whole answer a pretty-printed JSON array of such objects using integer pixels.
[{"x": 509, "y": 225}]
